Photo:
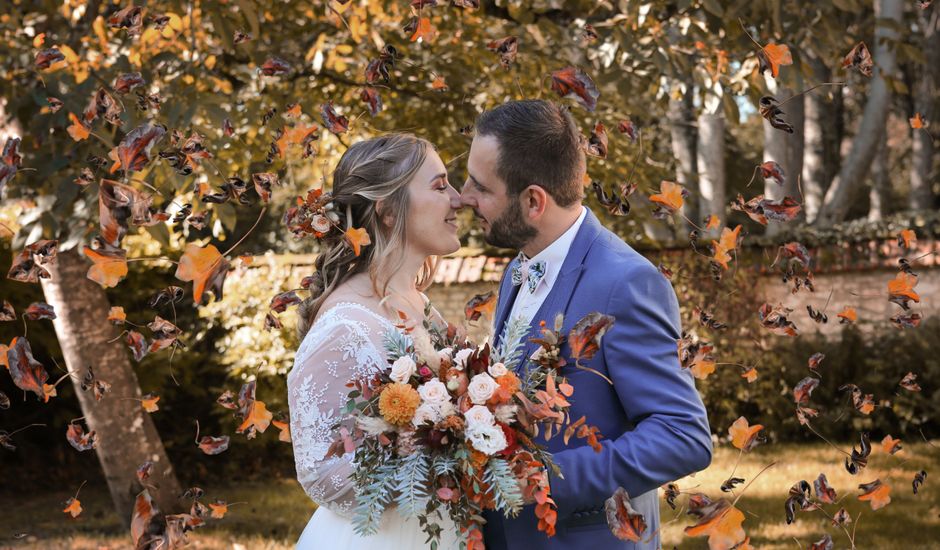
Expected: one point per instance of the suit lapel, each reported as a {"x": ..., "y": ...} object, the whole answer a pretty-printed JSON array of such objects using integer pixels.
[
  {"x": 560, "y": 296},
  {"x": 507, "y": 295}
]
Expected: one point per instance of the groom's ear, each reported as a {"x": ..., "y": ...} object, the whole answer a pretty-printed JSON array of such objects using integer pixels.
[{"x": 534, "y": 201}]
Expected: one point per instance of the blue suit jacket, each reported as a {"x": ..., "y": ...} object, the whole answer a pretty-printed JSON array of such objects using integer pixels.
[{"x": 653, "y": 421}]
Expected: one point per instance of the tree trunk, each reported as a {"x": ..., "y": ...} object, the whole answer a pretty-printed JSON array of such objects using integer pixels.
[
  {"x": 126, "y": 435},
  {"x": 817, "y": 112},
  {"x": 796, "y": 114},
  {"x": 711, "y": 163},
  {"x": 783, "y": 148},
  {"x": 845, "y": 186},
  {"x": 925, "y": 103},
  {"x": 681, "y": 117},
  {"x": 880, "y": 183}
]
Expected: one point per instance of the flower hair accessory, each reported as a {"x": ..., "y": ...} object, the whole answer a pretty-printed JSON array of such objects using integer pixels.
[{"x": 317, "y": 215}]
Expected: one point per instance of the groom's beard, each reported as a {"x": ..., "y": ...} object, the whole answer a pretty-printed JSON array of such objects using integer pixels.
[{"x": 510, "y": 230}]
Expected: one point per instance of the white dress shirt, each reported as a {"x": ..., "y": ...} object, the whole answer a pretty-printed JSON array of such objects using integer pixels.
[{"x": 527, "y": 303}]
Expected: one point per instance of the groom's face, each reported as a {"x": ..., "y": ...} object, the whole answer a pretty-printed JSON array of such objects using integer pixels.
[{"x": 499, "y": 211}]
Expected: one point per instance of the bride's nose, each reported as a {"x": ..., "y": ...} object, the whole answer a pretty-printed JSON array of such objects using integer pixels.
[{"x": 454, "y": 198}]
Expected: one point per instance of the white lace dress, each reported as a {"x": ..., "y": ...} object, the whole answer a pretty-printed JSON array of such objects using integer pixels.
[{"x": 345, "y": 342}]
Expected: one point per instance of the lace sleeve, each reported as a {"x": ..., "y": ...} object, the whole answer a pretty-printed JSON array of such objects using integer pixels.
[{"x": 346, "y": 342}]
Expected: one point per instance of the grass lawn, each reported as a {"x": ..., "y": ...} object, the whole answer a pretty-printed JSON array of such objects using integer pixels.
[{"x": 274, "y": 513}]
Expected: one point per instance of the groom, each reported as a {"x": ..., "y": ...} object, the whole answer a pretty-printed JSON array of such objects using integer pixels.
[{"x": 526, "y": 168}]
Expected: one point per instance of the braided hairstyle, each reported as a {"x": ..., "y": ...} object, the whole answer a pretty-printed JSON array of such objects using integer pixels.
[{"x": 370, "y": 180}]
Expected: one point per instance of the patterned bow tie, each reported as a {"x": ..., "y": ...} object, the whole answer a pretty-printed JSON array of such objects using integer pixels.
[{"x": 528, "y": 271}]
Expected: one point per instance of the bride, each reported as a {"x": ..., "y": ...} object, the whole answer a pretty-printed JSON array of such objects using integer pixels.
[{"x": 395, "y": 187}]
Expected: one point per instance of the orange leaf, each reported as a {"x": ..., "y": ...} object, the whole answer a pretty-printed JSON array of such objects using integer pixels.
[
  {"x": 772, "y": 56},
  {"x": 917, "y": 122},
  {"x": 149, "y": 402},
  {"x": 669, "y": 196},
  {"x": 848, "y": 315},
  {"x": 204, "y": 266},
  {"x": 744, "y": 436},
  {"x": 438, "y": 84},
  {"x": 891, "y": 445},
  {"x": 876, "y": 493},
  {"x": 357, "y": 238},
  {"x": 424, "y": 31},
  {"x": 73, "y": 506},
  {"x": 751, "y": 375},
  {"x": 116, "y": 315},
  {"x": 721, "y": 522},
  {"x": 712, "y": 222},
  {"x": 902, "y": 287},
  {"x": 219, "y": 509},
  {"x": 48, "y": 390},
  {"x": 258, "y": 418},
  {"x": 726, "y": 243},
  {"x": 907, "y": 238},
  {"x": 702, "y": 367},
  {"x": 110, "y": 265},
  {"x": 39, "y": 40},
  {"x": 77, "y": 130},
  {"x": 284, "y": 428},
  {"x": 479, "y": 305}
]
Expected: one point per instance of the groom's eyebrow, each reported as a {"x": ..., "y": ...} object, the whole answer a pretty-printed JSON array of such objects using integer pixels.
[{"x": 475, "y": 181}]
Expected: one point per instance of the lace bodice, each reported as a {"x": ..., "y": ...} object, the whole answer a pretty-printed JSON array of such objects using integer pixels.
[{"x": 345, "y": 342}]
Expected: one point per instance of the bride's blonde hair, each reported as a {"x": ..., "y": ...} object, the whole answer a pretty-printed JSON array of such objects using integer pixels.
[{"x": 372, "y": 174}]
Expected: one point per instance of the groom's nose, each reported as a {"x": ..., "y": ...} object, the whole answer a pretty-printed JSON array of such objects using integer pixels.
[{"x": 467, "y": 198}]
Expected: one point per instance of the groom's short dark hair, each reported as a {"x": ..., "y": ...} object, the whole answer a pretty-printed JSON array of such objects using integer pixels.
[{"x": 539, "y": 144}]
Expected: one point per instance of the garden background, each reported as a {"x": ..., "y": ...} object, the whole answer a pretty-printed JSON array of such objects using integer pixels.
[{"x": 260, "y": 99}]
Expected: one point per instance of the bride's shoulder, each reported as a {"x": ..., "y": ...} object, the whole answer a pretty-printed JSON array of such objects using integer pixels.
[{"x": 344, "y": 306}]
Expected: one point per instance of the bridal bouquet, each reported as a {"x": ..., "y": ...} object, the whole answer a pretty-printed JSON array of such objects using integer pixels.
[{"x": 450, "y": 427}]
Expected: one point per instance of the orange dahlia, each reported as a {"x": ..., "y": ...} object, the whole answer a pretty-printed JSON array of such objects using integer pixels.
[{"x": 398, "y": 403}]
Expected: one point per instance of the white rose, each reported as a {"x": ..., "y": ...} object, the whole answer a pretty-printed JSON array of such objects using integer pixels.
[
  {"x": 481, "y": 388},
  {"x": 497, "y": 369},
  {"x": 403, "y": 369},
  {"x": 446, "y": 353},
  {"x": 478, "y": 416},
  {"x": 487, "y": 439},
  {"x": 426, "y": 412},
  {"x": 434, "y": 392},
  {"x": 506, "y": 413},
  {"x": 460, "y": 360}
]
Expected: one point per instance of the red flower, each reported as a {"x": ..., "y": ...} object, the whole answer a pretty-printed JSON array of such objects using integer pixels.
[{"x": 512, "y": 445}]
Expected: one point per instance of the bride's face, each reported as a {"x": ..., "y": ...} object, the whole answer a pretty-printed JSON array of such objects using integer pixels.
[{"x": 431, "y": 228}]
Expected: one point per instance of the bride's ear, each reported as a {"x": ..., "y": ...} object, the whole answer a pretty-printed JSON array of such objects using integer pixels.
[{"x": 385, "y": 216}]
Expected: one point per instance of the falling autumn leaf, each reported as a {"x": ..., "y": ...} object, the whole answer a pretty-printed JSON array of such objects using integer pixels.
[
  {"x": 726, "y": 243},
  {"x": 109, "y": 267},
  {"x": 73, "y": 507},
  {"x": 876, "y": 493},
  {"x": 721, "y": 522},
  {"x": 149, "y": 402},
  {"x": 479, "y": 305},
  {"x": 77, "y": 130},
  {"x": 670, "y": 196},
  {"x": 423, "y": 31},
  {"x": 205, "y": 267},
  {"x": 572, "y": 82},
  {"x": 772, "y": 56},
  {"x": 624, "y": 521},
  {"x": 859, "y": 58},
  {"x": 917, "y": 122},
  {"x": 357, "y": 237},
  {"x": 743, "y": 435}
]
